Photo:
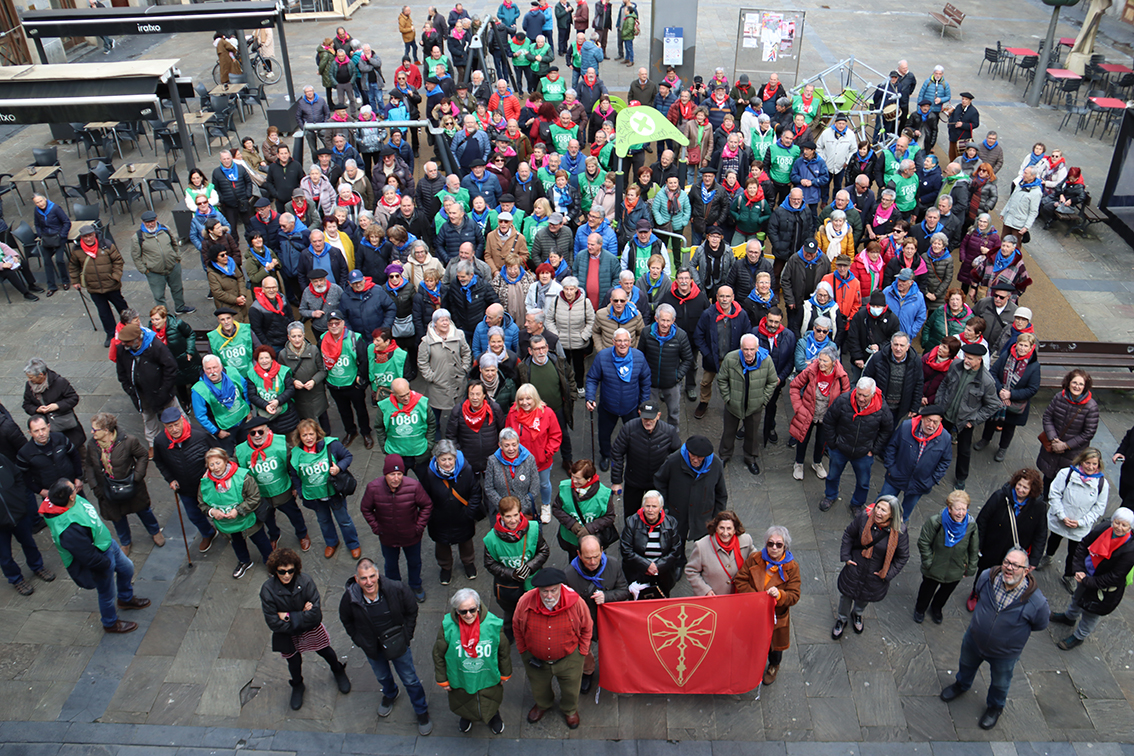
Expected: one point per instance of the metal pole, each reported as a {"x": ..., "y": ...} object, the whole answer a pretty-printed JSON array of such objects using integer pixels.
[
  {"x": 284, "y": 56},
  {"x": 242, "y": 48},
  {"x": 1041, "y": 69},
  {"x": 182, "y": 129},
  {"x": 181, "y": 519}
]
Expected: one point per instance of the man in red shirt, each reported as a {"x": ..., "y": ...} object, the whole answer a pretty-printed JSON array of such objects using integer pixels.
[{"x": 553, "y": 631}]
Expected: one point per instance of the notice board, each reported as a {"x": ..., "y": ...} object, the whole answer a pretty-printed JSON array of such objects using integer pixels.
[{"x": 769, "y": 41}]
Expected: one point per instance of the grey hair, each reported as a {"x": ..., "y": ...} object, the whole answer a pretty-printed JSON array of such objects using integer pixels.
[
  {"x": 35, "y": 366},
  {"x": 984, "y": 216},
  {"x": 209, "y": 358},
  {"x": 509, "y": 434},
  {"x": 488, "y": 360},
  {"x": 494, "y": 331},
  {"x": 1010, "y": 238},
  {"x": 843, "y": 193},
  {"x": 831, "y": 351},
  {"x": 866, "y": 384},
  {"x": 651, "y": 494},
  {"x": 942, "y": 237},
  {"x": 444, "y": 446},
  {"x": 349, "y": 163},
  {"x": 622, "y": 276},
  {"x": 295, "y": 325},
  {"x": 668, "y": 310},
  {"x": 749, "y": 336},
  {"x": 900, "y": 335},
  {"x": 537, "y": 315},
  {"x": 782, "y": 532},
  {"x": 945, "y": 198},
  {"x": 782, "y": 102},
  {"x": 823, "y": 321},
  {"x": 571, "y": 92},
  {"x": 287, "y": 217},
  {"x": 906, "y": 165},
  {"x": 838, "y": 215},
  {"x": 621, "y": 330},
  {"x": 365, "y": 214},
  {"x": 465, "y": 266},
  {"x": 1018, "y": 550},
  {"x": 1124, "y": 514},
  {"x": 439, "y": 313},
  {"x": 570, "y": 281},
  {"x": 463, "y": 595},
  {"x": 889, "y": 193},
  {"x": 893, "y": 502}
]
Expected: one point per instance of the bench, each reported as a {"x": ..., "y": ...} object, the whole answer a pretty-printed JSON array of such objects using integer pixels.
[
  {"x": 949, "y": 18},
  {"x": 1110, "y": 364}
]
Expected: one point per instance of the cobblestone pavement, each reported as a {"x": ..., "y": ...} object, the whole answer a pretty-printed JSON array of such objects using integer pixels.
[{"x": 199, "y": 677}]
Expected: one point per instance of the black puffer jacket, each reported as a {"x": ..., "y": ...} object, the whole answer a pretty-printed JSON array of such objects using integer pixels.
[
  {"x": 1102, "y": 592},
  {"x": 275, "y": 597},
  {"x": 13, "y": 495},
  {"x": 859, "y": 581},
  {"x": 12, "y": 439},
  {"x": 879, "y": 367},
  {"x": 668, "y": 362},
  {"x": 789, "y": 229},
  {"x": 857, "y": 436},
  {"x": 637, "y": 453},
  {"x": 148, "y": 378},
  {"x": 634, "y": 539},
  {"x": 184, "y": 462},
  {"x": 478, "y": 445},
  {"x": 467, "y": 309},
  {"x": 692, "y": 499},
  {"x": 453, "y": 521},
  {"x": 356, "y": 621},
  {"x": 43, "y": 465},
  {"x": 865, "y": 329},
  {"x": 233, "y": 193}
]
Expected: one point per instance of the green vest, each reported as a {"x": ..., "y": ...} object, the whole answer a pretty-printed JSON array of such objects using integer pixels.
[
  {"x": 808, "y": 113},
  {"x": 226, "y": 501},
  {"x": 521, "y": 61},
  {"x": 430, "y": 64},
  {"x": 271, "y": 471},
  {"x": 641, "y": 257},
  {"x": 461, "y": 197},
  {"x": 314, "y": 471},
  {"x": 906, "y": 189},
  {"x": 761, "y": 142},
  {"x": 514, "y": 555},
  {"x": 553, "y": 91},
  {"x": 588, "y": 188},
  {"x": 406, "y": 434},
  {"x": 345, "y": 370},
  {"x": 279, "y": 385},
  {"x": 468, "y": 674},
  {"x": 545, "y": 177},
  {"x": 561, "y": 137},
  {"x": 584, "y": 511},
  {"x": 382, "y": 374},
  {"x": 781, "y": 162},
  {"x": 604, "y": 156},
  {"x": 223, "y": 417},
  {"x": 82, "y": 512},
  {"x": 235, "y": 353}
]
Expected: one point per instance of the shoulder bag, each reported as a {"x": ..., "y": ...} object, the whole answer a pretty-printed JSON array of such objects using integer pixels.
[{"x": 344, "y": 482}]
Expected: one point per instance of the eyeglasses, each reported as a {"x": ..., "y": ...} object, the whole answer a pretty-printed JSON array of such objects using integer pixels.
[
  {"x": 285, "y": 571},
  {"x": 466, "y": 612},
  {"x": 822, "y": 330},
  {"x": 774, "y": 544},
  {"x": 257, "y": 432},
  {"x": 1013, "y": 566}
]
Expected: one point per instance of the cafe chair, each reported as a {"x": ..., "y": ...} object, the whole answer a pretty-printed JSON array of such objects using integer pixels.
[
  {"x": 1071, "y": 110},
  {"x": 29, "y": 242},
  {"x": 47, "y": 157},
  {"x": 6, "y": 185},
  {"x": 164, "y": 181}
]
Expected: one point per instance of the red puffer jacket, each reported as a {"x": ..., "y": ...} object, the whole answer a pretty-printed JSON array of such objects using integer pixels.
[
  {"x": 803, "y": 396},
  {"x": 542, "y": 444}
]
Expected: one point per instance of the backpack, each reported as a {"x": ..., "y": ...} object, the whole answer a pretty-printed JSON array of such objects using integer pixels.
[{"x": 167, "y": 233}]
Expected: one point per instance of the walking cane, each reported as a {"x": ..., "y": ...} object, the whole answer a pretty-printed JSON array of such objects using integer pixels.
[
  {"x": 181, "y": 519},
  {"x": 592, "y": 414},
  {"x": 88, "y": 309}
]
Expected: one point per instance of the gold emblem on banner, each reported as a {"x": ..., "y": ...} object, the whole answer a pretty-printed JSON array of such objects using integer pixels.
[{"x": 681, "y": 636}]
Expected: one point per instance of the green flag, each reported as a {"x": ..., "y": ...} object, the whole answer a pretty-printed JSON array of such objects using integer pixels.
[{"x": 641, "y": 124}]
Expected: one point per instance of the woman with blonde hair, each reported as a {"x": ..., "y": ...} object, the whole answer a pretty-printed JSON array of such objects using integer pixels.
[
  {"x": 949, "y": 545},
  {"x": 539, "y": 433}
]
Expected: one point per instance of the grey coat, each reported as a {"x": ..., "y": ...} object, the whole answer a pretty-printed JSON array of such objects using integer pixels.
[
  {"x": 980, "y": 401},
  {"x": 305, "y": 367},
  {"x": 309, "y": 303},
  {"x": 498, "y": 483},
  {"x": 444, "y": 364}
]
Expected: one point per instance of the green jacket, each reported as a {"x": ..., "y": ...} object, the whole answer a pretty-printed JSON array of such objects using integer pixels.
[
  {"x": 626, "y": 31},
  {"x": 947, "y": 564},
  {"x": 749, "y": 218},
  {"x": 761, "y": 383}
]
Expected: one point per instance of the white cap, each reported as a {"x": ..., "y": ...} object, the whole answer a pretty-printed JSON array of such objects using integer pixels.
[
  {"x": 504, "y": 216},
  {"x": 1023, "y": 312}
]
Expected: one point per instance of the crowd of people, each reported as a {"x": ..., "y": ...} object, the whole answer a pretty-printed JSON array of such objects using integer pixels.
[{"x": 360, "y": 278}]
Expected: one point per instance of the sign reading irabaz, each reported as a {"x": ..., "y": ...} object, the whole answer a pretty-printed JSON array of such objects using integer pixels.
[{"x": 712, "y": 644}]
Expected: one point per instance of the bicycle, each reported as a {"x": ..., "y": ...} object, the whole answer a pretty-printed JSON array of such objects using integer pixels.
[{"x": 267, "y": 70}]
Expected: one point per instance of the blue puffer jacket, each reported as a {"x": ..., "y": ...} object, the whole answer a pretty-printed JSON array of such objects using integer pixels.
[
  {"x": 52, "y": 221},
  {"x": 910, "y": 309},
  {"x": 367, "y": 310},
  {"x": 291, "y": 244},
  {"x": 913, "y": 473},
  {"x": 197, "y": 225},
  {"x": 1002, "y": 634},
  {"x": 511, "y": 336},
  {"x": 618, "y": 396},
  {"x": 590, "y": 57},
  {"x": 609, "y": 239},
  {"x": 931, "y": 90},
  {"x": 488, "y": 186},
  {"x": 815, "y": 170}
]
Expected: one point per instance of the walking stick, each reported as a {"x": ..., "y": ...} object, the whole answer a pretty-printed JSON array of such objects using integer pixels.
[
  {"x": 88, "y": 309},
  {"x": 181, "y": 519},
  {"x": 592, "y": 414}
]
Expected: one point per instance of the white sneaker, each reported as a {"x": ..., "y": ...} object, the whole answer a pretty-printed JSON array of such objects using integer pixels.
[
  {"x": 582, "y": 392},
  {"x": 545, "y": 514},
  {"x": 820, "y": 471},
  {"x": 797, "y": 471}
]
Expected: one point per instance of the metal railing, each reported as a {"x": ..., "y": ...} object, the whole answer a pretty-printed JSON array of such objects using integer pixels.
[{"x": 440, "y": 142}]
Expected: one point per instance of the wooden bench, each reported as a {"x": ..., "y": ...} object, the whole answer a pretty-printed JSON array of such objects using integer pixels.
[
  {"x": 1110, "y": 364},
  {"x": 949, "y": 18}
]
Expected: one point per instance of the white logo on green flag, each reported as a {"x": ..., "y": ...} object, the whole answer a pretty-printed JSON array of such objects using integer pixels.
[{"x": 641, "y": 124}]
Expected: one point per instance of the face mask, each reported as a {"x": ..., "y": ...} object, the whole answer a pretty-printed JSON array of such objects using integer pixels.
[{"x": 876, "y": 311}]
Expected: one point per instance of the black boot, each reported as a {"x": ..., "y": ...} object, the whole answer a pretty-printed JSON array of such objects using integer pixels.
[
  {"x": 341, "y": 678},
  {"x": 297, "y": 689}
]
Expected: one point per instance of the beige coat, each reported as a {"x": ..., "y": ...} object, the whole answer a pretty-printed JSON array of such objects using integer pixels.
[
  {"x": 572, "y": 324},
  {"x": 226, "y": 290},
  {"x": 710, "y": 568},
  {"x": 444, "y": 364},
  {"x": 496, "y": 250},
  {"x": 605, "y": 327},
  {"x": 417, "y": 270}
]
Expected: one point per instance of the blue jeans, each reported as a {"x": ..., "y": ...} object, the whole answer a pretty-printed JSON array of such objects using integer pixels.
[
  {"x": 861, "y": 467},
  {"x": 23, "y": 533},
  {"x": 909, "y": 502},
  {"x": 114, "y": 584},
  {"x": 375, "y": 95},
  {"x": 411, "y": 46},
  {"x": 403, "y": 665},
  {"x": 149, "y": 520},
  {"x": 999, "y": 669},
  {"x": 545, "y": 487},
  {"x": 294, "y": 515},
  {"x": 196, "y": 516},
  {"x": 628, "y": 49},
  {"x": 332, "y": 510},
  {"x": 1089, "y": 621},
  {"x": 413, "y": 565}
]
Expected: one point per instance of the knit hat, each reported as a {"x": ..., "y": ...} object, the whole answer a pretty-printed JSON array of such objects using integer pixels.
[
  {"x": 1023, "y": 312},
  {"x": 877, "y": 298},
  {"x": 393, "y": 463}
]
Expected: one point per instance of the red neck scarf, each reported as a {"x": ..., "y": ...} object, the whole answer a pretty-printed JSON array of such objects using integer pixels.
[
  {"x": 186, "y": 431},
  {"x": 721, "y": 314},
  {"x": 475, "y": 418},
  {"x": 1053, "y": 164},
  {"x": 934, "y": 363},
  {"x": 1105, "y": 545},
  {"x": 385, "y": 354},
  {"x": 332, "y": 348},
  {"x": 687, "y": 109},
  {"x": 528, "y": 419},
  {"x": 769, "y": 90},
  {"x": 470, "y": 635},
  {"x": 806, "y": 100},
  {"x": 408, "y": 408},
  {"x": 750, "y": 201},
  {"x": 1086, "y": 397},
  {"x": 873, "y": 405},
  {"x": 661, "y": 519},
  {"x": 1023, "y": 357},
  {"x": 267, "y": 376},
  {"x": 91, "y": 250},
  {"x": 520, "y": 529},
  {"x": 824, "y": 386},
  {"x": 732, "y": 547},
  {"x": 276, "y": 307},
  {"x": 162, "y": 336},
  {"x": 299, "y": 206},
  {"x": 258, "y": 451},
  {"x": 322, "y": 296},
  {"x": 915, "y": 423},
  {"x": 771, "y": 337},
  {"x": 222, "y": 483}
]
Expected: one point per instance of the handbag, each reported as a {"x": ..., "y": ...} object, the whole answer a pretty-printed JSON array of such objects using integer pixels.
[
  {"x": 344, "y": 482},
  {"x": 1046, "y": 442},
  {"x": 393, "y": 642},
  {"x": 50, "y": 240},
  {"x": 62, "y": 421},
  {"x": 403, "y": 327},
  {"x": 119, "y": 489}
]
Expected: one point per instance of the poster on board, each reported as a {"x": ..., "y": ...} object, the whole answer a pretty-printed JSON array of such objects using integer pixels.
[
  {"x": 770, "y": 35},
  {"x": 751, "y": 30}
]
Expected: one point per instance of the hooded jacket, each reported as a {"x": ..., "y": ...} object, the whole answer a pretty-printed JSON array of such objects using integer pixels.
[
  {"x": 1002, "y": 633},
  {"x": 909, "y": 308}
]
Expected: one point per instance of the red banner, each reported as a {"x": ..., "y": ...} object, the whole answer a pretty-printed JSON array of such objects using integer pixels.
[{"x": 710, "y": 644}]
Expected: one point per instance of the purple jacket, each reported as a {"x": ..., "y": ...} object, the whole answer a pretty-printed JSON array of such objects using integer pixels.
[{"x": 399, "y": 517}]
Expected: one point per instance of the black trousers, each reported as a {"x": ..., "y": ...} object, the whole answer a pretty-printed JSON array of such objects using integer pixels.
[
  {"x": 631, "y": 500},
  {"x": 352, "y": 397},
  {"x": 1006, "y": 435},
  {"x": 964, "y": 438},
  {"x": 565, "y": 450},
  {"x": 770, "y": 411},
  {"x": 295, "y": 663},
  {"x": 933, "y": 594},
  {"x": 1053, "y": 540},
  {"x": 103, "y": 302},
  {"x": 751, "y": 444},
  {"x": 815, "y": 429}
]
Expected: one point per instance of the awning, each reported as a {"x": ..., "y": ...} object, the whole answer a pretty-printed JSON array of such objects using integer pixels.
[
  {"x": 83, "y": 92},
  {"x": 155, "y": 19}
]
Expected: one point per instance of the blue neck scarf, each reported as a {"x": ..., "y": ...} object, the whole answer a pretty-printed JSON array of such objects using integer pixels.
[
  {"x": 507, "y": 280},
  {"x": 1033, "y": 158},
  {"x": 467, "y": 288},
  {"x": 812, "y": 347},
  {"x": 267, "y": 258},
  {"x": 955, "y": 531},
  {"x": 395, "y": 289},
  {"x": 596, "y": 578},
  {"x": 629, "y": 312},
  {"x": 988, "y": 146},
  {"x": 232, "y": 173},
  {"x": 229, "y": 269},
  {"x": 839, "y": 133},
  {"x": 519, "y": 460},
  {"x": 148, "y": 337},
  {"x": 809, "y": 263},
  {"x": 654, "y": 286},
  {"x": 662, "y": 339},
  {"x": 705, "y": 465},
  {"x": 925, "y": 228},
  {"x": 944, "y": 254},
  {"x": 436, "y": 294},
  {"x": 822, "y": 309},
  {"x": 1000, "y": 262},
  {"x": 1084, "y": 475},
  {"x": 1017, "y": 505},
  {"x": 623, "y": 366},
  {"x": 452, "y": 475},
  {"x": 1029, "y": 184},
  {"x": 754, "y": 295},
  {"x": 707, "y": 197},
  {"x": 778, "y": 565},
  {"x": 224, "y": 391},
  {"x": 561, "y": 269},
  {"x": 761, "y": 355}
]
